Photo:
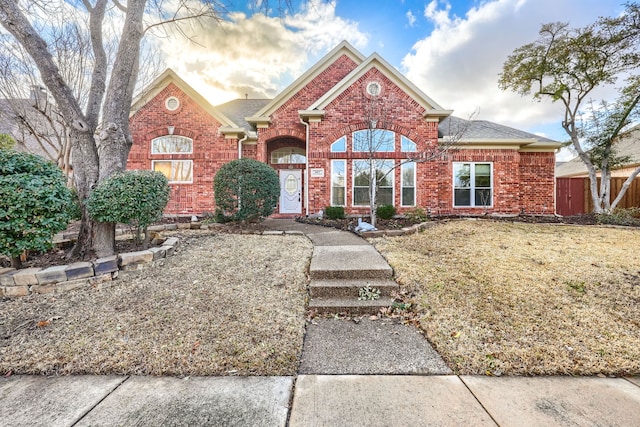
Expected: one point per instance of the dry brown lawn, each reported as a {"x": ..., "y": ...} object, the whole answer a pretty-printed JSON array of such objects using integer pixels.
[
  {"x": 224, "y": 304},
  {"x": 524, "y": 299}
]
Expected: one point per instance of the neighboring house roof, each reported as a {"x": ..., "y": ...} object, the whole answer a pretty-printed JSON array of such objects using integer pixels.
[
  {"x": 10, "y": 124},
  {"x": 482, "y": 132},
  {"x": 628, "y": 144}
]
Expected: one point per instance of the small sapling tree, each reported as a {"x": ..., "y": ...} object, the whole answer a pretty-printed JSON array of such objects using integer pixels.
[
  {"x": 135, "y": 198},
  {"x": 245, "y": 190},
  {"x": 34, "y": 204}
]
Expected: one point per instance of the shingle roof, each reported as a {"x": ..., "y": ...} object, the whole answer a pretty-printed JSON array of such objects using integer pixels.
[
  {"x": 238, "y": 109},
  {"x": 483, "y": 129},
  {"x": 627, "y": 145}
]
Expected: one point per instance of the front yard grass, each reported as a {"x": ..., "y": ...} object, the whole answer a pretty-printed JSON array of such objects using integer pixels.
[
  {"x": 524, "y": 299},
  {"x": 224, "y": 305}
]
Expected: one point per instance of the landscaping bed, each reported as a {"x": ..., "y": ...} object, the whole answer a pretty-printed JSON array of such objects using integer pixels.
[
  {"x": 499, "y": 298},
  {"x": 225, "y": 304}
]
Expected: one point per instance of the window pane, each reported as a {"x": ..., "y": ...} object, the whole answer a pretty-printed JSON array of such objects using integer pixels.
[
  {"x": 483, "y": 181},
  {"x": 288, "y": 155},
  {"x": 483, "y": 169},
  {"x": 340, "y": 146},
  {"x": 373, "y": 140},
  {"x": 462, "y": 197},
  {"x": 385, "y": 196},
  {"x": 361, "y": 196},
  {"x": 384, "y": 167},
  {"x": 361, "y": 173},
  {"x": 408, "y": 174},
  {"x": 338, "y": 196},
  {"x": 171, "y": 144},
  {"x": 175, "y": 170},
  {"x": 462, "y": 175},
  {"x": 483, "y": 197},
  {"x": 408, "y": 196},
  {"x": 408, "y": 146}
]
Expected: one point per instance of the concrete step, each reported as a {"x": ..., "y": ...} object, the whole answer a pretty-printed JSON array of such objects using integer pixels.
[
  {"x": 341, "y": 288},
  {"x": 348, "y": 305},
  {"x": 348, "y": 262}
]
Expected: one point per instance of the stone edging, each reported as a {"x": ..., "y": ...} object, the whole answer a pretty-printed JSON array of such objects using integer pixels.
[
  {"x": 63, "y": 278},
  {"x": 399, "y": 232}
]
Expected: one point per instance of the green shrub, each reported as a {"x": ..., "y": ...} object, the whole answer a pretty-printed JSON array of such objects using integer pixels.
[
  {"x": 136, "y": 198},
  {"x": 385, "y": 211},
  {"x": 416, "y": 215},
  {"x": 620, "y": 216},
  {"x": 7, "y": 142},
  {"x": 34, "y": 203},
  {"x": 334, "y": 212},
  {"x": 245, "y": 190}
]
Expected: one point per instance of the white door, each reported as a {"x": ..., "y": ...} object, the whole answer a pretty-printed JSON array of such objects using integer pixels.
[{"x": 290, "y": 191}]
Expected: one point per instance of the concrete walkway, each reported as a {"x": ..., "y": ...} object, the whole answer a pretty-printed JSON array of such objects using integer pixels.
[{"x": 359, "y": 372}]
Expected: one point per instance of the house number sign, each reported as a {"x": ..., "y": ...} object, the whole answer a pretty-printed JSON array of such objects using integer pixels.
[{"x": 317, "y": 173}]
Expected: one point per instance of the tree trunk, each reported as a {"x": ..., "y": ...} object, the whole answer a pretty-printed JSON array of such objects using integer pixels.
[
  {"x": 373, "y": 186},
  {"x": 625, "y": 187},
  {"x": 16, "y": 262}
]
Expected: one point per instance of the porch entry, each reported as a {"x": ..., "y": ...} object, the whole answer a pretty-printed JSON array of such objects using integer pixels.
[{"x": 290, "y": 191}]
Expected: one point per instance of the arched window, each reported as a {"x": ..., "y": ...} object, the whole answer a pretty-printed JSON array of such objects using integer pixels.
[
  {"x": 171, "y": 144},
  {"x": 288, "y": 155}
]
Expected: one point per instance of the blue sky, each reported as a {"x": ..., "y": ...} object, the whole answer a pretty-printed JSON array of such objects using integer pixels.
[{"x": 452, "y": 50}]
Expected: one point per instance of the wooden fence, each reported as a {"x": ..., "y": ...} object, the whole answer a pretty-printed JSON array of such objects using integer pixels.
[{"x": 574, "y": 198}]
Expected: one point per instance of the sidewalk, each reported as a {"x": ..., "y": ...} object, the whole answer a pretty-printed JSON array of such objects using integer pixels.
[{"x": 364, "y": 373}]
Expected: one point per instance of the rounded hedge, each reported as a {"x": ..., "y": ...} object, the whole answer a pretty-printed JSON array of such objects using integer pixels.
[
  {"x": 245, "y": 190},
  {"x": 136, "y": 198},
  {"x": 35, "y": 203}
]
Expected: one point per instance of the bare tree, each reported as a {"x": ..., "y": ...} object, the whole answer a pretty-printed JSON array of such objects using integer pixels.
[{"x": 376, "y": 138}]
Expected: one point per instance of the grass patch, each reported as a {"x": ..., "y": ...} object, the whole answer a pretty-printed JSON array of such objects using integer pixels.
[
  {"x": 526, "y": 299},
  {"x": 225, "y": 304}
]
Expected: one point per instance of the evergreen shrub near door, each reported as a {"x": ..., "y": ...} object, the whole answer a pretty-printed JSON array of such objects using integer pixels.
[
  {"x": 245, "y": 190},
  {"x": 34, "y": 203},
  {"x": 334, "y": 212},
  {"x": 135, "y": 198}
]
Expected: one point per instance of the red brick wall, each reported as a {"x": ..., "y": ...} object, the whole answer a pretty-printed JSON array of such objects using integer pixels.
[
  {"x": 210, "y": 149},
  {"x": 537, "y": 183}
]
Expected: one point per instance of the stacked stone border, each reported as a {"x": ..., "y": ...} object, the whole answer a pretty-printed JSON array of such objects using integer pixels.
[{"x": 63, "y": 278}]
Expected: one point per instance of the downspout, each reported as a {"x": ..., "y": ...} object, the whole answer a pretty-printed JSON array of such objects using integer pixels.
[
  {"x": 240, "y": 141},
  {"x": 306, "y": 168}
]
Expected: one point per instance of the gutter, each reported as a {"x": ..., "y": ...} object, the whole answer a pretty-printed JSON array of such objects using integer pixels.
[{"x": 306, "y": 167}]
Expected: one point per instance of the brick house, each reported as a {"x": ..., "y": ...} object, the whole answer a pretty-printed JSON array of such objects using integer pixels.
[{"x": 322, "y": 131}]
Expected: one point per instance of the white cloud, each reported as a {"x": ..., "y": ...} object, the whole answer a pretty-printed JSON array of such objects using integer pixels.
[
  {"x": 411, "y": 18},
  {"x": 459, "y": 62},
  {"x": 257, "y": 55}
]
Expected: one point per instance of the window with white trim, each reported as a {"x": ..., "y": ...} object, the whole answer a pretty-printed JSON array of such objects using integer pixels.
[
  {"x": 340, "y": 145},
  {"x": 361, "y": 179},
  {"x": 171, "y": 144},
  {"x": 176, "y": 171},
  {"x": 288, "y": 155},
  {"x": 408, "y": 184},
  {"x": 338, "y": 182},
  {"x": 374, "y": 141},
  {"x": 407, "y": 145},
  {"x": 472, "y": 184}
]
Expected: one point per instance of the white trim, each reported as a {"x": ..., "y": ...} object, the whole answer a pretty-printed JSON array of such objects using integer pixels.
[
  {"x": 169, "y": 100},
  {"x": 335, "y": 142},
  {"x": 472, "y": 187}
]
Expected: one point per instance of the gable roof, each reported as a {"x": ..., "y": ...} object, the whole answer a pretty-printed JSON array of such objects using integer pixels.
[
  {"x": 482, "y": 132},
  {"x": 238, "y": 109},
  {"x": 628, "y": 144},
  {"x": 344, "y": 48},
  {"x": 167, "y": 77},
  {"x": 377, "y": 62}
]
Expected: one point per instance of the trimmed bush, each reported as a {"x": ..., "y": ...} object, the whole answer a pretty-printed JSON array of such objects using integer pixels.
[
  {"x": 334, "y": 212},
  {"x": 245, "y": 190},
  {"x": 135, "y": 198},
  {"x": 385, "y": 211},
  {"x": 34, "y": 203}
]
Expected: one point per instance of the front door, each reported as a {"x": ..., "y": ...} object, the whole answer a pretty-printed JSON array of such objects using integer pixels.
[{"x": 290, "y": 191}]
